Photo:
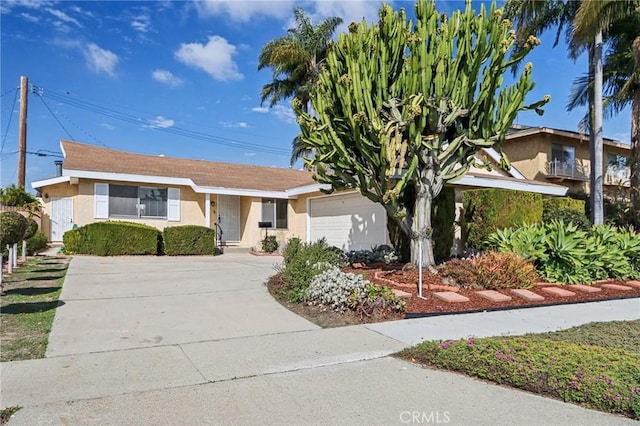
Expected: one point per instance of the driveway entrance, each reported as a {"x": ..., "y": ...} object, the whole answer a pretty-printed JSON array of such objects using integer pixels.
[{"x": 134, "y": 302}]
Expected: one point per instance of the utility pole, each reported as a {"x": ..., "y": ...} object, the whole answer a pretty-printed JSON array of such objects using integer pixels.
[{"x": 22, "y": 131}]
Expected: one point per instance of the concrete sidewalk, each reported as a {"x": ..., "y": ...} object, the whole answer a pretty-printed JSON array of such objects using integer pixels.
[{"x": 199, "y": 341}]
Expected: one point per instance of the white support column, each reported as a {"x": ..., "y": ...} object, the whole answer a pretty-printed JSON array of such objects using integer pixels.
[
  {"x": 458, "y": 247},
  {"x": 207, "y": 210}
]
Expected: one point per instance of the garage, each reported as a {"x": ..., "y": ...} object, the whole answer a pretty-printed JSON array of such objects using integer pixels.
[{"x": 349, "y": 221}]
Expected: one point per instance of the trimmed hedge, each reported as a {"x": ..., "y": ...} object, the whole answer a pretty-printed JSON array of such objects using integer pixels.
[
  {"x": 37, "y": 242},
  {"x": 563, "y": 203},
  {"x": 606, "y": 379},
  {"x": 113, "y": 239},
  {"x": 487, "y": 210},
  {"x": 12, "y": 227},
  {"x": 189, "y": 240}
]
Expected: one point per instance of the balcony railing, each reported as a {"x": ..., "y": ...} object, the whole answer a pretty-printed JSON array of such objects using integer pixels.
[
  {"x": 561, "y": 169},
  {"x": 617, "y": 175}
]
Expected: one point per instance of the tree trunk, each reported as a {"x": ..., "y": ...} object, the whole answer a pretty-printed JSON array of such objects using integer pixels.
[
  {"x": 635, "y": 139},
  {"x": 421, "y": 232},
  {"x": 597, "y": 201}
]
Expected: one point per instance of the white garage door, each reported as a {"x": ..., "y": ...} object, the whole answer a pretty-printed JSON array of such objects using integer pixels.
[{"x": 349, "y": 221}]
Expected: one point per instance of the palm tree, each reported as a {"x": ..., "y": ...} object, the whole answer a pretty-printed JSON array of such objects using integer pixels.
[
  {"x": 620, "y": 22},
  {"x": 295, "y": 57},
  {"x": 294, "y": 60},
  {"x": 535, "y": 17}
]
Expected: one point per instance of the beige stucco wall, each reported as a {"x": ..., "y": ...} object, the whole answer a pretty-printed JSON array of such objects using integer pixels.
[
  {"x": 251, "y": 214},
  {"x": 530, "y": 154},
  {"x": 192, "y": 205}
]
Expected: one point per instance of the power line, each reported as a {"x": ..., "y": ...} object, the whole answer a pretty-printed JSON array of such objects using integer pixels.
[
  {"x": 7, "y": 92},
  {"x": 54, "y": 116},
  {"x": 151, "y": 124},
  {"x": 6, "y": 132}
]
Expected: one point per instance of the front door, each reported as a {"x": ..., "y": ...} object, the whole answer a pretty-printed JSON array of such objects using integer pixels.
[
  {"x": 229, "y": 218},
  {"x": 61, "y": 217}
]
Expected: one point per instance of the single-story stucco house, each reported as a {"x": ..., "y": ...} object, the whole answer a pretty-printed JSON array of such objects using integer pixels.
[{"x": 97, "y": 184}]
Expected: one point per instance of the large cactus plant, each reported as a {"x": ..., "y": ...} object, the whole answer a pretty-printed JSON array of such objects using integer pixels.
[{"x": 402, "y": 103}]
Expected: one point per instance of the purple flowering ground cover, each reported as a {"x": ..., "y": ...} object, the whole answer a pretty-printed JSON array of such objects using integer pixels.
[{"x": 596, "y": 365}]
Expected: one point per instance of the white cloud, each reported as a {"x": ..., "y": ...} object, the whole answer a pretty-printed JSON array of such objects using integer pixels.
[
  {"x": 64, "y": 17},
  {"x": 166, "y": 77},
  {"x": 108, "y": 126},
  {"x": 215, "y": 58},
  {"x": 235, "y": 124},
  {"x": 249, "y": 154},
  {"x": 160, "y": 122},
  {"x": 285, "y": 114},
  {"x": 262, "y": 110},
  {"x": 349, "y": 11},
  {"x": 141, "y": 23},
  {"x": 243, "y": 11},
  {"x": 7, "y": 5},
  {"x": 30, "y": 17},
  {"x": 100, "y": 60}
]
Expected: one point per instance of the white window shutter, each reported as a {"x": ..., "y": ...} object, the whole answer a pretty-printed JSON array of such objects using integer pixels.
[
  {"x": 101, "y": 205},
  {"x": 173, "y": 206}
]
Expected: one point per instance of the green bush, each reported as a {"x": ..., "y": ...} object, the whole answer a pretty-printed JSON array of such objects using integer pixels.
[
  {"x": 269, "y": 244},
  {"x": 602, "y": 378},
  {"x": 563, "y": 203},
  {"x": 31, "y": 229},
  {"x": 12, "y": 227},
  {"x": 487, "y": 210},
  {"x": 567, "y": 216},
  {"x": 302, "y": 262},
  {"x": 112, "y": 239},
  {"x": 188, "y": 240},
  {"x": 563, "y": 253},
  {"x": 442, "y": 220},
  {"x": 37, "y": 242}
]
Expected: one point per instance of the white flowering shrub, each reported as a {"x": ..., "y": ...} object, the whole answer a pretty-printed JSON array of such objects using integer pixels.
[{"x": 333, "y": 288}]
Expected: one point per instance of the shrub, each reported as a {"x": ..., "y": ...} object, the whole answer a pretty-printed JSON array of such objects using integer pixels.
[
  {"x": 562, "y": 253},
  {"x": 563, "y": 203},
  {"x": 112, "y": 239},
  {"x": 31, "y": 229},
  {"x": 37, "y": 242},
  {"x": 269, "y": 244},
  {"x": 490, "y": 270},
  {"x": 298, "y": 269},
  {"x": 488, "y": 210},
  {"x": 375, "y": 301},
  {"x": 12, "y": 227},
  {"x": 602, "y": 378},
  {"x": 381, "y": 253},
  {"x": 442, "y": 220},
  {"x": 459, "y": 273},
  {"x": 188, "y": 240},
  {"x": 333, "y": 288},
  {"x": 567, "y": 216},
  {"x": 495, "y": 270}
]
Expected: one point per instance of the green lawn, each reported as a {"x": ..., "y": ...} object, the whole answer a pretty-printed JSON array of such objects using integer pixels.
[
  {"x": 27, "y": 307},
  {"x": 595, "y": 365}
]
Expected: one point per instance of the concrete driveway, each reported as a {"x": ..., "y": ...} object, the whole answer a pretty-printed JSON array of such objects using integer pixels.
[{"x": 135, "y": 302}]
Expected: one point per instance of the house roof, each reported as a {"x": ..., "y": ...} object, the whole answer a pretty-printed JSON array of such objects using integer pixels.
[
  {"x": 91, "y": 162},
  {"x": 79, "y": 156},
  {"x": 518, "y": 131}
]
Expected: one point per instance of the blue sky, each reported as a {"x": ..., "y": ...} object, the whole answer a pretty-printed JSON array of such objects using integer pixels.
[{"x": 181, "y": 79}]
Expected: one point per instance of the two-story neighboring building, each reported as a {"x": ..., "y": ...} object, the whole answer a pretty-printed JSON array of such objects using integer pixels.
[{"x": 562, "y": 157}]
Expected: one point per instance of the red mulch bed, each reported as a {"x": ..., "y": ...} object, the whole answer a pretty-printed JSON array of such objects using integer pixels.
[{"x": 392, "y": 276}]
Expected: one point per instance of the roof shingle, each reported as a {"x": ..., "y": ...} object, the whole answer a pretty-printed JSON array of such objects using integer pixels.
[{"x": 79, "y": 156}]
